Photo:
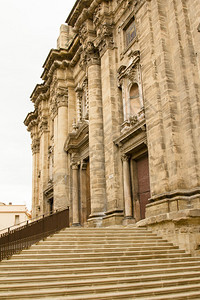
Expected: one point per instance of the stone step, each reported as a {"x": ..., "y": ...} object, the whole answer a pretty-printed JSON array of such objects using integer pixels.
[
  {"x": 176, "y": 293},
  {"x": 37, "y": 270},
  {"x": 140, "y": 289},
  {"x": 71, "y": 255},
  {"x": 100, "y": 264},
  {"x": 105, "y": 241},
  {"x": 103, "y": 277},
  {"x": 142, "y": 264},
  {"x": 46, "y": 249},
  {"x": 105, "y": 230},
  {"x": 104, "y": 234},
  {"x": 57, "y": 260}
]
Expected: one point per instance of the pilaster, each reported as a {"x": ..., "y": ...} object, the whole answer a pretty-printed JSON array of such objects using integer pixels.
[{"x": 110, "y": 111}]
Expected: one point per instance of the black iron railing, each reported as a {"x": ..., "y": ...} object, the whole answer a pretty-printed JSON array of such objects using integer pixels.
[{"x": 33, "y": 231}]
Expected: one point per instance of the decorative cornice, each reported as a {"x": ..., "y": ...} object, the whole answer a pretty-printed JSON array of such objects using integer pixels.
[
  {"x": 53, "y": 56},
  {"x": 38, "y": 90},
  {"x": 32, "y": 116},
  {"x": 134, "y": 130}
]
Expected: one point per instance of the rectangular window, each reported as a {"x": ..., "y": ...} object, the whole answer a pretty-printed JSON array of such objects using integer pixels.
[
  {"x": 130, "y": 32},
  {"x": 16, "y": 219}
]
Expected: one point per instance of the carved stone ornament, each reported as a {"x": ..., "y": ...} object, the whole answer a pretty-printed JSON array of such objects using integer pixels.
[
  {"x": 198, "y": 28},
  {"x": 83, "y": 33},
  {"x": 97, "y": 15},
  {"x": 132, "y": 74},
  {"x": 132, "y": 71},
  {"x": 43, "y": 124},
  {"x": 125, "y": 157},
  {"x": 92, "y": 54},
  {"x": 105, "y": 36},
  {"x": 62, "y": 97},
  {"x": 35, "y": 146}
]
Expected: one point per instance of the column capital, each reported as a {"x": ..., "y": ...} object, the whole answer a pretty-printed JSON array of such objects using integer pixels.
[
  {"x": 92, "y": 53},
  {"x": 74, "y": 166},
  {"x": 125, "y": 157},
  {"x": 62, "y": 97}
]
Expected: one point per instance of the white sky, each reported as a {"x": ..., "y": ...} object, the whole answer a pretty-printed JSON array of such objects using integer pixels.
[{"x": 28, "y": 30}]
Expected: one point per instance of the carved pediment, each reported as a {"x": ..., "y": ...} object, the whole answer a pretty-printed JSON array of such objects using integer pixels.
[{"x": 78, "y": 139}]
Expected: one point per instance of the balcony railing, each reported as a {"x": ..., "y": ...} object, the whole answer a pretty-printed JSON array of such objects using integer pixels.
[{"x": 23, "y": 237}]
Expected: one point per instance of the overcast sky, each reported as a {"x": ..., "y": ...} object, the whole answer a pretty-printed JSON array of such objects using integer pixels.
[{"x": 28, "y": 30}]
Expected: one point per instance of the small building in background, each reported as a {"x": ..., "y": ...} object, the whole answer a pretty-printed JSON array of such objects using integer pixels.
[{"x": 12, "y": 215}]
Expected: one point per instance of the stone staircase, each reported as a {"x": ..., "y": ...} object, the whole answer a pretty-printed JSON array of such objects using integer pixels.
[{"x": 101, "y": 263}]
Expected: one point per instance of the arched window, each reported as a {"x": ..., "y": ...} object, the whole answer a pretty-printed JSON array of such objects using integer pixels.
[{"x": 134, "y": 99}]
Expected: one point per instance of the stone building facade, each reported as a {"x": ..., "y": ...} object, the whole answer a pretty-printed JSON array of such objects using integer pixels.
[{"x": 116, "y": 123}]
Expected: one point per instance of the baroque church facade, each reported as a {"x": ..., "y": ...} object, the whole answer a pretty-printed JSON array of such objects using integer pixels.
[{"x": 116, "y": 123}]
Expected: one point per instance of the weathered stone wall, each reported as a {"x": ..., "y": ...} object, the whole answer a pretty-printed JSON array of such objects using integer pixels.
[{"x": 109, "y": 47}]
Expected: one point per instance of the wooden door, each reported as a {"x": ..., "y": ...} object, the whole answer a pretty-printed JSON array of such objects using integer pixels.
[{"x": 143, "y": 183}]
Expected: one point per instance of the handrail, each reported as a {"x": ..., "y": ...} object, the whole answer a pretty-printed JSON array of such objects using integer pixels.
[
  {"x": 30, "y": 220},
  {"x": 23, "y": 237}
]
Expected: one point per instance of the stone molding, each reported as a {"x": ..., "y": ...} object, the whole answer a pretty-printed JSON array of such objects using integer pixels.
[{"x": 175, "y": 195}]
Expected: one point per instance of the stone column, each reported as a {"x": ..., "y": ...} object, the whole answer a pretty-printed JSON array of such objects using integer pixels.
[
  {"x": 60, "y": 157},
  {"x": 83, "y": 184},
  {"x": 75, "y": 195},
  {"x": 43, "y": 168},
  {"x": 35, "y": 169},
  {"x": 96, "y": 137},
  {"x": 127, "y": 188}
]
